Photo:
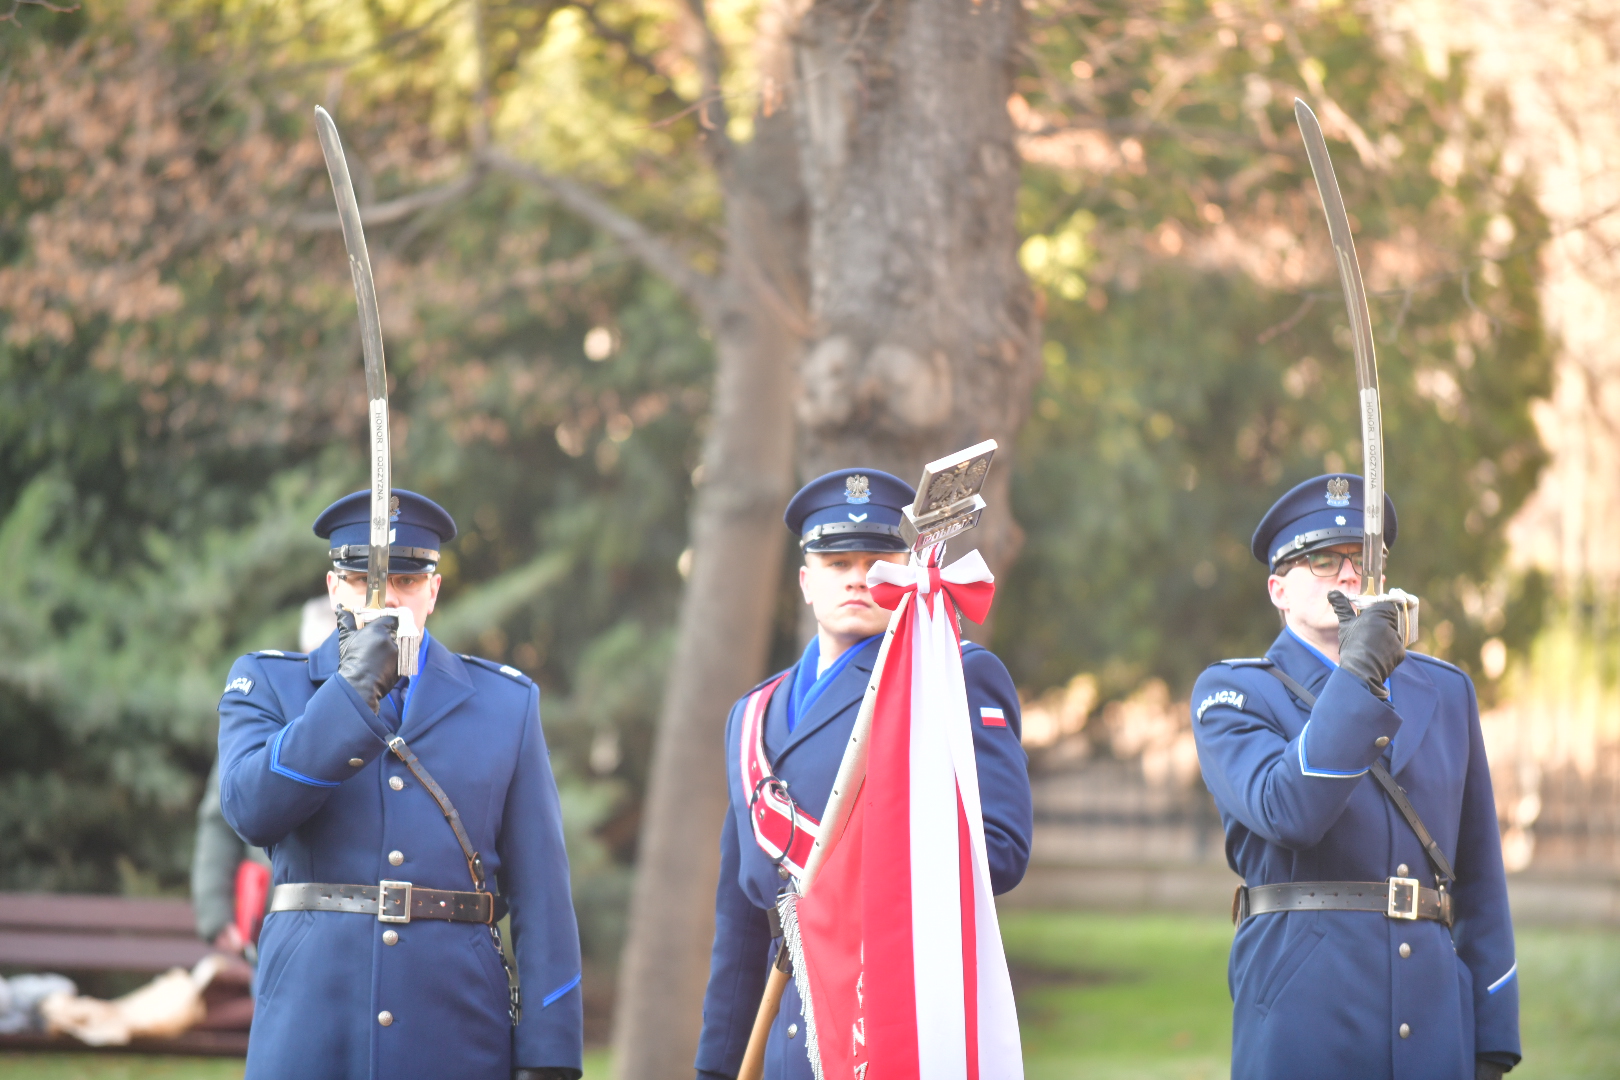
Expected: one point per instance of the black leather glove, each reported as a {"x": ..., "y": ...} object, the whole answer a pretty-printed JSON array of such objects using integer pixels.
[
  {"x": 1370, "y": 643},
  {"x": 549, "y": 1072},
  {"x": 368, "y": 656},
  {"x": 1485, "y": 1069}
]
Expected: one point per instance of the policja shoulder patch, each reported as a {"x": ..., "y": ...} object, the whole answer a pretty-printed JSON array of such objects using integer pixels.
[
  {"x": 241, "y": 684},
  {"x": 1233, "y": 698}
]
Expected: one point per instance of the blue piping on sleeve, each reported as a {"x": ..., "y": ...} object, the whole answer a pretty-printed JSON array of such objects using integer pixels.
[
  {"x": 561, "y": 990},
  {"x": 1305, "y": 767},
  {"x": 1504, "y": 980},
  {"x": 281, "y": 770}
]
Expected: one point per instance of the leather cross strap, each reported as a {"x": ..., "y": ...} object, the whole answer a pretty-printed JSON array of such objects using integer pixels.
[
  {"x": 1397, "y": 794},
  {"x": 475, "y": 865},
  {"x": 1411, "y": 901},
  {"x": 400, "y": 901},
  {"x": 475, "y": 862}
]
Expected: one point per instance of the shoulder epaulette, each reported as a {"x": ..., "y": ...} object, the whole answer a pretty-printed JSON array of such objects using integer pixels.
[
  {"x": 766, "y": 681},
  {"x": 1246, "y": 661},
  {"x": 1437, "y": 662},
  {"x": 278, "y": 654},
  {"x": 505, "y": 669}
]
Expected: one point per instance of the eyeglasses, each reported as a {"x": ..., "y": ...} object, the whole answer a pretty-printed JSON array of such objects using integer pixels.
[
  {"x": 1327, "y": 564},
  {"x": 404, "y": 584}
]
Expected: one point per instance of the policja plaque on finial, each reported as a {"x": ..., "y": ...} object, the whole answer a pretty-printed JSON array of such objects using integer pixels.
[{"x": 948, "y": 502}]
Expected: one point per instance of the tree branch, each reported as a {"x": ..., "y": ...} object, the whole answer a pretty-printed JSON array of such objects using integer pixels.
[
  {"x": 17, "y": 5},
  {"x": 381, "y": 45},
  {"x": 394, "y": 209},
  {"x": 481, "y": 106},
  {"x": 621, "y": 38},
  {"x": 711, "y": 60},
  {"x": 654, "y": 252}
]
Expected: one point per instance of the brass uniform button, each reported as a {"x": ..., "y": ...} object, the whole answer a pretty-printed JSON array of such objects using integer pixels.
[
  {"x": 355, "y": 763},
  {"x": 1381, "y": 742},
  {"x": 1400, "y": 871},
  {"x": 793, "y": 1030},
  {"x": 1406, "y": 950},
  {"x": 396, "y": 857},
  {"x": 385, "y": 1018},
  {"x": 390, "y": 937},
  {"x": 1406, "y": 1031},
  {"x": 396, "y": 783}
]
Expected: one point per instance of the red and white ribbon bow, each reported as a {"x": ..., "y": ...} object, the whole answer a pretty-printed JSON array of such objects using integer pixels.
[{"x": 967, "y": 581}]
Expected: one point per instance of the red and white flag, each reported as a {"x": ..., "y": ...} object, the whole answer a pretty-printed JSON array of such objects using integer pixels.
[{"x": 897, "y": 947}]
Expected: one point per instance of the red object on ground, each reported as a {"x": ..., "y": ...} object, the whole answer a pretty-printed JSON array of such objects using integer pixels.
[{"x": 252, "y": 896}]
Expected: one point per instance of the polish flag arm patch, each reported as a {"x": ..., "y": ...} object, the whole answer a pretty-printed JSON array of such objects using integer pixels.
[{"x": 991, "y": 717}]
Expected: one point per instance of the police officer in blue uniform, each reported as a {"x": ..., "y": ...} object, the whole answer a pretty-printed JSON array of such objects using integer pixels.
[
  {"x": 846, "y": 521},
  {"x": 1373, "y": 938},
  {"x": 404, "y": 817}
]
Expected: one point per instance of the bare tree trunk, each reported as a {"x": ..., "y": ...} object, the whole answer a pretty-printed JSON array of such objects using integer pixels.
[
  {"x": 926, "y": 336},
  {"x": 725, "y": 618}
]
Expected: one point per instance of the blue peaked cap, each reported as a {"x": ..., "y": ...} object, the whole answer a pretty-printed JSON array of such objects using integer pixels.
[
  {"x": 850, "y": 510},
  {"x": 1321, "y": 512},
  {"x": 419, "y": 527}
]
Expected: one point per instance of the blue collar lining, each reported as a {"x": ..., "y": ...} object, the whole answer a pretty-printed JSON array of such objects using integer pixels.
[
  {"x": 805, "y": 691},
  {"x": 1331, "y": 665}
]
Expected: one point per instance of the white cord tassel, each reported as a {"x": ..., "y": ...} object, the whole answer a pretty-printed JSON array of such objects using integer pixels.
[
  {"x": 410, "y": 641},
  {"x": 787, "y": 908}
]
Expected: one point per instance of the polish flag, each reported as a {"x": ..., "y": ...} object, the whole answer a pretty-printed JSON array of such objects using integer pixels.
[{"x": 899, "y": 962}]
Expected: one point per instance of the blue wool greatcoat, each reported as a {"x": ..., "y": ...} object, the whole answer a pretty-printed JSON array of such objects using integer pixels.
[
  {"x": 1324, "y": 994},
  {"x": 289, "y": 729},
  {"x": 808, "y": 759}
]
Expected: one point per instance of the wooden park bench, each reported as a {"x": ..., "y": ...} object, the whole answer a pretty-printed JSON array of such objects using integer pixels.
[{"x": 48, "y": 932}]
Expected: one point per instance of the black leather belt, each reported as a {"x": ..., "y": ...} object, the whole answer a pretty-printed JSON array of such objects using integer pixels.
[
  {"x": 1397, "y": 898},
  {"x": 389, "y": 901}
]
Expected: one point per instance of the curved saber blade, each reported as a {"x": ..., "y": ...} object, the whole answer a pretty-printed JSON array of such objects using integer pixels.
[
  {"x": 365, "y": 293},
  {"x": 1355, "y": 300}
]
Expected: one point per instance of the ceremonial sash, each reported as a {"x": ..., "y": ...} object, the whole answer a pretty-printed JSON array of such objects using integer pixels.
[{"x": 781, "y": 829}]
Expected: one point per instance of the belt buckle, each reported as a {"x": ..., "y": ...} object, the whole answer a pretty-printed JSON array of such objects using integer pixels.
[
  {"x": 1395, "y": 909},
  {"x": 394, "y": 901}
]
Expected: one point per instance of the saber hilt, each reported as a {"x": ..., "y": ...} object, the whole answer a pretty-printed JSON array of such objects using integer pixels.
[
  {"x": 1406, "y": 611},
  {"x": 408, "y": 636}
]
